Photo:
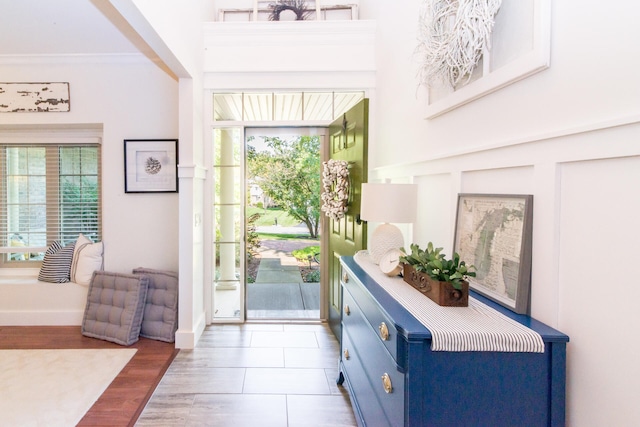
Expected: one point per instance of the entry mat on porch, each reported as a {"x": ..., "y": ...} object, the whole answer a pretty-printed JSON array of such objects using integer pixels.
[
  {"x": 55, "y": 387},
  {"x": 283, "y": 296}
]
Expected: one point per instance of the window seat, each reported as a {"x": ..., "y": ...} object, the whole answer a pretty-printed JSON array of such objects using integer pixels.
[{"x": 25, "y": 301}]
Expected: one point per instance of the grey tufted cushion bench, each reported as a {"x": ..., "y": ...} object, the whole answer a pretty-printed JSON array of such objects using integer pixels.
[
  {"x": 115, "y": 307},
  {"x": 160, "y": 320}
]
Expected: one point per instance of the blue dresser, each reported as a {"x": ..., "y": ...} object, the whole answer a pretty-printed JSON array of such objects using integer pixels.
[{"x": 394, "y": 379}]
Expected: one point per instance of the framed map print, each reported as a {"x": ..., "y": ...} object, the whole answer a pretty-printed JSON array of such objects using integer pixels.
[{"x": 493, "y": 233}]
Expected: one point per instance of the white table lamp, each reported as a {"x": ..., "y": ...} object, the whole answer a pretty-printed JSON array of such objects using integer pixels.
[{"x": 387, "y": 203}]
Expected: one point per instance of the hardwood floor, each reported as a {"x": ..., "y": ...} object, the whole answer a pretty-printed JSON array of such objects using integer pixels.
[{"x": 123, "y": 401}]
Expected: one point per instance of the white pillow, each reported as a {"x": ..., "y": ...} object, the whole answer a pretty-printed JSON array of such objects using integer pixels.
[
  {"x": 89, "y": 260},
  {"x": 80, "y": 242}
]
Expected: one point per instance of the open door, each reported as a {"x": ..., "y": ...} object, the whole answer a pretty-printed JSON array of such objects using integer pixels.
[{"x": 347, "y": 141}]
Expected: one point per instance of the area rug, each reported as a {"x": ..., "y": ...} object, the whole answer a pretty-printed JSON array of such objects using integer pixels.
[{"x": 55, "y": 387}]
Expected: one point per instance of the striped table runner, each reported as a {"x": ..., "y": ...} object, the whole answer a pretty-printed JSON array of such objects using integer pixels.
[{"x": 473, "y": 328}]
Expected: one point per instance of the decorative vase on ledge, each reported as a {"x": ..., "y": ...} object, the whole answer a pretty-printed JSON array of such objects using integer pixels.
[{"x": 442, "y": 293}]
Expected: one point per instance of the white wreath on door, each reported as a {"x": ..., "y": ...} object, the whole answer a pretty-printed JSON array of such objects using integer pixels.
[
  {"x": 452, "y": 36},
  {"x": 335, "y": 185}
]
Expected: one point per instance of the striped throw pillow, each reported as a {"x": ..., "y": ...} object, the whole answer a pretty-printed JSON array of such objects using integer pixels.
[{"x": 56, "y": 264}]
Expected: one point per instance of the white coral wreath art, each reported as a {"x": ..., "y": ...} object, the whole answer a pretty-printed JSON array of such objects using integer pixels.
[
  {"x": 452, "y": 36},
  {"x": 335, "y": 183}
]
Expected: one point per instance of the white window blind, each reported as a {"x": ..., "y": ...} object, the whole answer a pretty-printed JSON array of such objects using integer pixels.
[{"x": 49, "y": 191}]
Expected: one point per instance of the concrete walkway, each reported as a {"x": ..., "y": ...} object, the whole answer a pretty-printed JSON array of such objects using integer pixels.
[
  {"x": 279, "y": 291},
  {"x": 277, "y": 265}
]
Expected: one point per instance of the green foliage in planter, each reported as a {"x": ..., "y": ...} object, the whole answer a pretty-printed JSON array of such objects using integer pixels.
[
  {"x": 450, "y": 270},
  {"x": 432, "y": 262},
  {"x": 420, "y": 258}
]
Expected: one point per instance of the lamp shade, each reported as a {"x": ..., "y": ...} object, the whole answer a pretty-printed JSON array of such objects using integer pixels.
[{"x": 389, "y": 202}]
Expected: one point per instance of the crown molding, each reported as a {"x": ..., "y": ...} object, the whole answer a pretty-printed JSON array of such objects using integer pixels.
[{"x": 79, "y": 58}]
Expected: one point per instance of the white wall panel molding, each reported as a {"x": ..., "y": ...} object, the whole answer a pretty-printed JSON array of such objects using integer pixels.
[
  {"x": 566, "y": 145},
  {"x": 545, "y": 301},
  {"x": 599, "y": 210}
]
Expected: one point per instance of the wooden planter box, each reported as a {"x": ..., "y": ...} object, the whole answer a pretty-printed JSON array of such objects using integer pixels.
[{"x": 442, "y": 293}]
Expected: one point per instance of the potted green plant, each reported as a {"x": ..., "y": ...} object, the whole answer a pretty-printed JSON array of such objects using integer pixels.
[
  {"x": 420, "y": 258},
  {"x": 442, "y": 280}
]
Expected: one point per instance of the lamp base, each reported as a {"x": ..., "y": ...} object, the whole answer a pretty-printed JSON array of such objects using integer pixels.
[{"x": 385, "y": 237}]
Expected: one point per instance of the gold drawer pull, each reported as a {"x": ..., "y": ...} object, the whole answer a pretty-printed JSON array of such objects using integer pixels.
[
  {"x": 386, "y": 383},
  {"x": 346, "y": 354},
  {"x": 345, "y": 277},
  {"x": 347, "y": 310},
  {"x": 384, "y": 331}
]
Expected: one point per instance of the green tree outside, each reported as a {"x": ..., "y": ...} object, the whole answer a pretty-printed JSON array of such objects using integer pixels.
[{"x": 288, "y": 171}]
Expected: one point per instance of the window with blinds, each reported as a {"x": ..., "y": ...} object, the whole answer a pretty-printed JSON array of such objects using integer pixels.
[{"x": 48, "y": 192}]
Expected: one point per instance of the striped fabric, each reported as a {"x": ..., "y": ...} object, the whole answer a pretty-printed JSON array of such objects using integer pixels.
[
  {"x": 473, "y": 328},
  {"x": 56, "y": 264}
]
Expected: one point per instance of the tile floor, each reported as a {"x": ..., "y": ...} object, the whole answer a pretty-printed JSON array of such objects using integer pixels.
[{"x": 281, "y": 375}]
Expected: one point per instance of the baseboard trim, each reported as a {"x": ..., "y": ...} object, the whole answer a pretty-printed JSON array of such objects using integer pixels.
[
  {"x": 187, "y": 339},
  {"x": 41, "y": 318}
]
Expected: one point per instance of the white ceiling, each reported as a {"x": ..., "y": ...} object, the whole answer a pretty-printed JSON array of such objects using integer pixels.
[
  {"x": 55, "y": 27},
  {"x": 94, "y": 27}
]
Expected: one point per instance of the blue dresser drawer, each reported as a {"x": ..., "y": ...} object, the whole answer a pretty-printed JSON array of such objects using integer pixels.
[
  {"x": 380, "y": 369},
  {"x": 379, "y": 321},
  {"x": 366, "y": 404}
]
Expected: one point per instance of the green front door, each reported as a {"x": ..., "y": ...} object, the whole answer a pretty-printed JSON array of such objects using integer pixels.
[{"x": 347, "y": 141}]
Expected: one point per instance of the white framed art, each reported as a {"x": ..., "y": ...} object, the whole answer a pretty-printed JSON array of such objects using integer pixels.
[
  {"x": 150, "y": 165},
  {"x": 520, "y": 47}
]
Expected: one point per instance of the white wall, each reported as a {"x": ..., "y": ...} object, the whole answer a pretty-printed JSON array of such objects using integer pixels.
[
  {"x": 133, "y": 99},
  {"x": 567, "y": 135}
]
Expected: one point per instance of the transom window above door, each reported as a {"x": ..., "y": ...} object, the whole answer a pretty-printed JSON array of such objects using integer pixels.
[{"x": 283, "y": 106}]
